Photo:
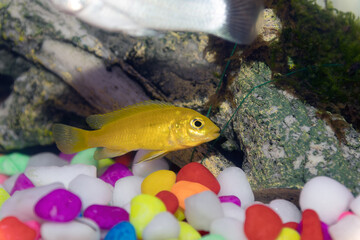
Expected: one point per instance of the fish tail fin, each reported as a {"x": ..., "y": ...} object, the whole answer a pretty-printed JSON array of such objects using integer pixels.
[
  {"x": 244, "y": 18},
  {"x": 70, "y": 139}
]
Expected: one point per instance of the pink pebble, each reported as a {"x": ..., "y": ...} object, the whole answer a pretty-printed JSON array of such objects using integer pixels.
[
  {"x": 21, "y": 183},
  {"x": 67, "y": 157},
  {"x": 106, "y": 216},
  {"x": 59, "y": 205},
  {"x": 344, "y": 214},
  {"x": 35, "y": 226},
  {"x": 115, "y": 172},
  {"x": 230, "y": 198},
  {"x": 3, "y": 177}
]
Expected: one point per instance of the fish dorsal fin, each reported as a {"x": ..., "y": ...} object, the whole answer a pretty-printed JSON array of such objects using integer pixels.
[{"x": 99, "y": 120}]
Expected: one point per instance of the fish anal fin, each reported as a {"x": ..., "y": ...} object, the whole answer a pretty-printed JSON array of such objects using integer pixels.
[
  {"x": 152, "y": 155},
  {"x": 99, "y": 120},
  {"x": 102, "y": 153}
]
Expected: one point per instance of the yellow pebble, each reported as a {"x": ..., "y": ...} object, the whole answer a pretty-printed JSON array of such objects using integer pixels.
[
  {"x": 143, "y": 209},
  {"x": 179, "y": 214},
  {"x": 158, "y": 181},
  {"x": 288, "y": 234},
  {"x": 105, "y": 162},
  {"x": 187, "y": 232},
  {"x": 4, "y": 195}
]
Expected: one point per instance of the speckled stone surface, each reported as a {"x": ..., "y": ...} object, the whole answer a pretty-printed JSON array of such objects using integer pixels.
[{"x": 284, "y": 142}]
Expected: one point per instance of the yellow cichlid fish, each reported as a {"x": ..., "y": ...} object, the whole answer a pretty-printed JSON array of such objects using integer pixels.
[{"x": 155, "y": 126}]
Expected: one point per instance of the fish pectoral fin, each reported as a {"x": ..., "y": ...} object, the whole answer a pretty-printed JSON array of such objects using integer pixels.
[
  {"x": 102, "y": 153},
  {"x": 152, "y": 155}
]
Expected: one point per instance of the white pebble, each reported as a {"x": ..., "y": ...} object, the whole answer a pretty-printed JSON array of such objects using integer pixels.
[
  {"x": 162, "y": 227},
  {"x": 355, "y": 205},
  {"x": 201, "y": 209},
  {"x": 40, "y": 176},
  {"x": 233, "y": 211},
  {"x": 46, "y": 159},
  {"x": 91, "y": 190},
  {"x": 348, "y": 228},
  {"x": 79, "y": 229},
  {"x": 9, "y": 183},
  {"x": 233, "y": 181},
  {"x": 327, "y": 197},
  {"x": 143, "y": 169},
  {"x": 22, "y": 203},
  {"x": 286, "y": 210},
  {"x": 229, "y": 228},
  {"x": 125, "y": 189}
]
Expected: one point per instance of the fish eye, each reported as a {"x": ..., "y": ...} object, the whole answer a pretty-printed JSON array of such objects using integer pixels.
[{"x": 197, "y": 123}]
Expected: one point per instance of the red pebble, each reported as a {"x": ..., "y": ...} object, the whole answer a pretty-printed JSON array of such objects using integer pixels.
[
  {"x": 196, "y": 172},
  {"x": 170, "y": 200},
  {"x": 12, "y": 228},
  {"x": 125, "y": 159},
  {"x": 262, "y": 223},
  {"x": 292, "y": 225},
  {"x": 311, "y": 226}
]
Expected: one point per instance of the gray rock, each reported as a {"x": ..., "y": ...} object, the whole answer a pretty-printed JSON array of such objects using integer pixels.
[{"x": 284, "y": 142}]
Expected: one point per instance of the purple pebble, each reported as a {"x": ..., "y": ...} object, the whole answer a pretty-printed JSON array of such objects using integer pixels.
[
  {"x": 115, "y": 172},
  {"x": 325, "y": 232},
  {"x": 67, "y": 157},
  {"x": 59, "y": 205},
  {"x": 106, "y": 216},
  {"x": 230, "y": 198},
  {"x": 21, "y": 183}
]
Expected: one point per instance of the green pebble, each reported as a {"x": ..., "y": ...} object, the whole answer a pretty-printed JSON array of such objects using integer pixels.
[
  {"x": 13, "y": 163},
  {"x": 105, "y": 162},
  {"x": 85, "y": 157},
  {"x": 4, "y": 195},
  {"x": 213, "y": 237}
]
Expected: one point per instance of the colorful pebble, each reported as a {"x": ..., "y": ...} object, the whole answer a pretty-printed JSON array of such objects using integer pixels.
[
  {"x": 185, "y": 189},
  {"x": 125, "y": 159},
  {"x": 143, "y": 209},
  {"x": 187, "y": 232},
  {"x": 213, "y": 237},
  {"x": 4, "y": 195},
  {"x": 158, "y": 181},
  {"x": 35, "y": 226},
  {"x": 3, "y": 178},
  {"x": 114, "y": 173},
  {"x": 230, "y": 198},
  {"x": 12, "y": 228},
  {"x": 67, "y": 157},
  {"x": 196, "y": 172},
  {"x": 202, "y": 209},
  {"x": 266, "y": 227},
  {"x": 106, "y": 216},
  {"x": 85, "y": 157},
  {"x": 59, "y": 205},
  {"x": 288, "y": 234},
  {"x": 13, "y": 163},
  {"x": 21, "y": 183},
  {"x": 121, "y": 231},
  {"x": 170, "y": 200},
  {"x": 310, "y": 226}
]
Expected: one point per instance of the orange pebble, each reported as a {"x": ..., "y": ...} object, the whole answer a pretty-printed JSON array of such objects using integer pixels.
[
  {"x": 185, "y": 189},
  {"x": 12, "y": 228}
]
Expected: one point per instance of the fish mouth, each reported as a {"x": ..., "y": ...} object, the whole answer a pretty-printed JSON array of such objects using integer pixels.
[{"x": 214, "y": 135}]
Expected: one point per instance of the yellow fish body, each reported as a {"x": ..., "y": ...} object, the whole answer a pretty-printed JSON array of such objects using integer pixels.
[{"x": 155, "y": 126}]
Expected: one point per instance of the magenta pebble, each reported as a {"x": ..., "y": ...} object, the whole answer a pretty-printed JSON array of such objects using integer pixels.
[
  {"x": 67, "y": 157},
  {"x": 115, "y": 172},
  {"x": 106, "y": 216},
  {"x": 21, "y": 183},
  {"x": 59, "y": 205},
  {"x": 325, "y": 232},
  {"x": 230, "y": 198}
]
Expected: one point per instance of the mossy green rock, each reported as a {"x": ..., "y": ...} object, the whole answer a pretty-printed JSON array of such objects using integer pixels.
[{"x": 284, "y": 142}]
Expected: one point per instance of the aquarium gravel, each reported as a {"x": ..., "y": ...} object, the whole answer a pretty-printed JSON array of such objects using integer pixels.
[{"x": 46, "y": 196}]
